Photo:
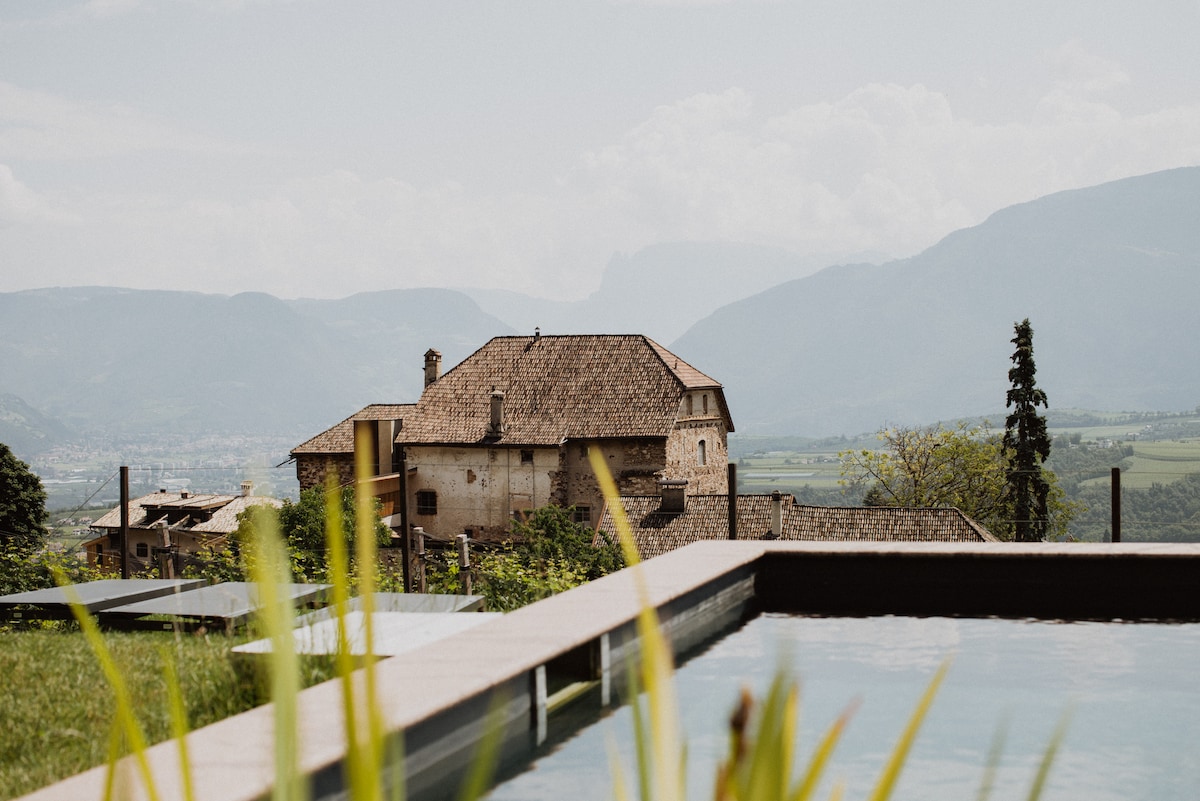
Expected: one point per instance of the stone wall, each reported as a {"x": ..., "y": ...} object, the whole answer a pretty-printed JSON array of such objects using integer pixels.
[{"x": 311, "y": 470}]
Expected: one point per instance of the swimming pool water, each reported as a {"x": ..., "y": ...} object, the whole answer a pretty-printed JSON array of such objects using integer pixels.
[{"x": 1132, "y": 690}]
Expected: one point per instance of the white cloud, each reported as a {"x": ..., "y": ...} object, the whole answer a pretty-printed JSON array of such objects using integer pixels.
[
  {"x": 20, "y": 205},
  {"x": 41, "y": 126}
]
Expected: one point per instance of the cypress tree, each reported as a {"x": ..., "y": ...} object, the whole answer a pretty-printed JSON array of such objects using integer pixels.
[{"x": 1026, "y": 442}]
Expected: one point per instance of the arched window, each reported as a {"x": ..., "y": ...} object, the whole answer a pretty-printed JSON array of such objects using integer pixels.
[
  {"x": 689, "y": 406},
  {"x": 704, "y": 398},
  {"x": 703, "y": 453}
]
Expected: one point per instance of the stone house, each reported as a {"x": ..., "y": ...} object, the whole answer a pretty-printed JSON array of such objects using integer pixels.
[
  {"x": 174, "y": 523},
  {"x": 672, "y": 519},
  {"x": 510, "y": 429}
]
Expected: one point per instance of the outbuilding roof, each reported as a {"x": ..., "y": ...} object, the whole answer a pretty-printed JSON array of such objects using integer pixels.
[
  {"x": 706, "y": 517},
  {"x": 340, "y": 438},
  {"x": 200, "y": 513}
]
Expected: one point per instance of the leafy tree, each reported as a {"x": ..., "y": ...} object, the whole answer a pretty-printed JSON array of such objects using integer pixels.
[
  {"x": 546, "y": 553},
  {"x": 1026, "y": 443},
  {"x": 302, "y": 525},
  {"x": 964, "y": 467},
  {"x": 22, "y": 505}
]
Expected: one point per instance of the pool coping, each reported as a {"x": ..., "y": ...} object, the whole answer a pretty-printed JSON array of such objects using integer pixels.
[{"x": 447, "y": 684}]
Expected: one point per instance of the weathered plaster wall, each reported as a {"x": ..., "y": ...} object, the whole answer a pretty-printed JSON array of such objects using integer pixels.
[{"x": 478, "y": 488}]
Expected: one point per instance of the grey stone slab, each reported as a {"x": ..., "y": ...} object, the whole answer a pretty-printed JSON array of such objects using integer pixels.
[
  {"x": 230, "y": 602},
  {"x": 393, "y": 632},
  {"x": 405, "y": 602},
  {"x": 95, "y": 596}
]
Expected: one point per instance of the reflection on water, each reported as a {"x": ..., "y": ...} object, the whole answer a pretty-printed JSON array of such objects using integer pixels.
[{"x": 1131, "y": 688}]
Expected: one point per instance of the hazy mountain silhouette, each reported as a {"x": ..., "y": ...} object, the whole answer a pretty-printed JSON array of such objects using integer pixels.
[{"x": 1109, "y": 277}]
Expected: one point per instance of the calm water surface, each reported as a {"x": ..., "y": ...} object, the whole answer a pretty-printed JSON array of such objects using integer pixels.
[{"x": 1132, "y": 690}]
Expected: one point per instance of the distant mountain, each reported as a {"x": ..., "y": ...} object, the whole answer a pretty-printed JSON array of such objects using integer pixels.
[
  {"x": 119, "y": 360},
  {"x": 26, "y": 430},
  {"x": 659, "y": 291},
  {"x": 1109, "y": 277}
]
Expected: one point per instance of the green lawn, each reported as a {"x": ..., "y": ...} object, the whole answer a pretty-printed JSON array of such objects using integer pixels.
[{"x": 58, "y": 707}]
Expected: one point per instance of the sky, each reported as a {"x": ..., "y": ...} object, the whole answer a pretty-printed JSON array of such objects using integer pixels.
[{"x": 318, "y": 148}]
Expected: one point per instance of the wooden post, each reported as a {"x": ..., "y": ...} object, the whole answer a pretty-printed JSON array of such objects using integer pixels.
[
  {"x": 422, "y": 586},
  {"x": 405, "y": 535},
  {"x": 731, "y": 479},
  {"x": 124, "y": 545},
  {"x": 1116, "y": 504},
  {"x": 464, "y": 564}
]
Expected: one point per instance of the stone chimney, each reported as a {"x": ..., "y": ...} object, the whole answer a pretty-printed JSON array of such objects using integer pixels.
[
  {"x": 185, "y": 494},
  {"x": 674, "y": 495},
  {"x": 247, "y": 489},
  {"x": 496, "y": 421},
  {"x": 776, "y": 517},
  {"x": 433, "y": 366}
]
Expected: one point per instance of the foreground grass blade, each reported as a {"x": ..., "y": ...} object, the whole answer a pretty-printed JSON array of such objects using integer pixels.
[
  {"x": 995, "y": 751},
  {"x": 823, "y": 753},
  {"x": 124, "y": 703},
  {"x": 271, "y": 572},
  {"x": 370, "y": 758},
  {"x": 179, "y": 723},
  {"x": 891, "y": 771},
  {"x": 1039, "y": 781}
]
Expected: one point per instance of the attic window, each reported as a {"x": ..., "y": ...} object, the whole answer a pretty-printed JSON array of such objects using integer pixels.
[
  {"x": 690, "y": 406},
  {"x": 526, "y": 457},
  {"x": 426, "y": 502},
  {"x": 702, "y": 453},
  {"x": 704, "y": 402}
]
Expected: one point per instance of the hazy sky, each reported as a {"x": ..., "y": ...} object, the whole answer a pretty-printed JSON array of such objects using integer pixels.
[{"x": 323, "y": 147}]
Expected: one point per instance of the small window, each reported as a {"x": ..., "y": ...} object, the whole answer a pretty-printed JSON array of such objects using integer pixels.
[
  {"x": 690, "y": 405},
  {"x": 583, "y": 451},
  {"x": 526, "y": 457},
  {"x": 704, "y": 399},
  {"x": 581, "y": 514},
  {"x": 142, "y": 550},
  {"x": 702, "y": 453},
  {"x": 426, "y": 502}
]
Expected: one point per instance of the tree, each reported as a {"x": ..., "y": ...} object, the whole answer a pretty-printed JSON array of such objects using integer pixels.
[
  {"x": 302, "y": 526},
  {"x": 961, "y": 467},
  {"x": 22, "y": 505},
  {"x": 964, "y": 467},
  {"x": 1026, "y": 443}
]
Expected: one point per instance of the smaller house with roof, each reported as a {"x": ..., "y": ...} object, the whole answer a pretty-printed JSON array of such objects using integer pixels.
[{"x": 172, "y": 523}]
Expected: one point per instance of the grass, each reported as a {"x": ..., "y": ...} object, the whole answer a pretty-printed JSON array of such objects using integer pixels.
[{"x": 58, "y": 707}]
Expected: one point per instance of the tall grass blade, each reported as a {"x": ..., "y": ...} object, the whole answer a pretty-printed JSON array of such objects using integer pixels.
[
  {"x": 129, "y": 727},
  {"x": 179, "y": 723},
  {"x": 823, "y": 753},
  {"x": 271, "y": 571},
  {"x": 664, "y": 747},
  {"x": 487, "y": 756},
  {"x": 1060, "y": 731},
  {"x": 995, "y": 751},
  {"x": 891, "y": 771},
  {"x": 371, "y": 742}
]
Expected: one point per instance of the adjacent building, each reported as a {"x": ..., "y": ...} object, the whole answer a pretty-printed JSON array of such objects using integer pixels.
[{"x": 171, "y": 524}]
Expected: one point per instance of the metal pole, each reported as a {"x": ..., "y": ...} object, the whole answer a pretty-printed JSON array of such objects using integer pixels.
[
  {"x": 124, "y": 553},
  {"x": 1116, "y": 504}
]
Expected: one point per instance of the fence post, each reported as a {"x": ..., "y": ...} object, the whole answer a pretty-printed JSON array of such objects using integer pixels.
[{"x": 464, "y": 564}]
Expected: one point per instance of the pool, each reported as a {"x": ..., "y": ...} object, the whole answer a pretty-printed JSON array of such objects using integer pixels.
[{"x": 1131, "y": 688}]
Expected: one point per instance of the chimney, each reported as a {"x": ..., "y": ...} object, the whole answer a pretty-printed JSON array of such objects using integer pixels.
[
  {"x": 496, "y": 424},
  {"x": 537, "y": 333},
  {"x": 433, "y": 366},
  {"x": 776, "y": 517},
  {"x": 247, "y": 489},
  {"x": 674, "y": 495},
  {"x": 184, "y": 494}
]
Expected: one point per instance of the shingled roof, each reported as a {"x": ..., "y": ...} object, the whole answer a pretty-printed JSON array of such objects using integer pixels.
[
  {"x": 340, "y": 438},
  {"x": 559, "y": 387},
  {"x": 706, "y": 517},
  {"x": 203, "y": 513}
]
